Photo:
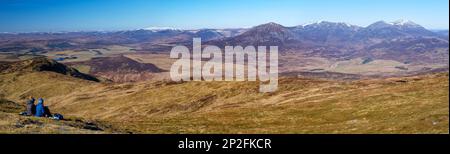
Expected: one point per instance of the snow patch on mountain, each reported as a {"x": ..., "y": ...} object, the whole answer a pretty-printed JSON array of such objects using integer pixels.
[{"x": 155, "y": 29}]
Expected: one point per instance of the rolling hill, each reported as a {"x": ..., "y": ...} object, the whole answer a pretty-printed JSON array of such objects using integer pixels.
[
  {"x": 119, "y": 68},
  {"x": 415, "y": 104}
]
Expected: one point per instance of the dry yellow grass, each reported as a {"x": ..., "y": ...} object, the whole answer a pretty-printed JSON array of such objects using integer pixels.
[
  {"x": 396, "y": 105},
  {"x": 163, "y": 61},
  {"x": 13, "y": 123},
  {"x": 377, "y": 66}
]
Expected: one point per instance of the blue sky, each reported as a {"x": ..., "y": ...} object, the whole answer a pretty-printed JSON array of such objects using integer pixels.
[{"x": 76, "y": 15}]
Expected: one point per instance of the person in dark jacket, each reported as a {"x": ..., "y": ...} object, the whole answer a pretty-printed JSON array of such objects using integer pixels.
[
  {"x": 40, "y": 108},
  {"x": 47, "y": 112},
  {"x": 31, "y": 108}
]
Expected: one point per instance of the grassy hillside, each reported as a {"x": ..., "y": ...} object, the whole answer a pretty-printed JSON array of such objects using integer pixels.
[
  {"x": 396, "y": 105},
  {"x": 12, "y": 122}
]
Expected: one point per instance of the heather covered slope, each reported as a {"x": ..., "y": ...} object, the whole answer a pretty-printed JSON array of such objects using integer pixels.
[
  {"x": 417, "y": 104},
  {"x": 119, "y": 68},
  {"x": 40, "y": 64}
]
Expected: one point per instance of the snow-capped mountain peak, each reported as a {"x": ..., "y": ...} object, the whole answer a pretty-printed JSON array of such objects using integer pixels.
[
  {"x": 321, "y": 22},
  {"x": 312, "y": 23},
  {"x": 396, "y": 24},
  {"x": 403, "y": 22},
  {"x": 155, "y": 29}
]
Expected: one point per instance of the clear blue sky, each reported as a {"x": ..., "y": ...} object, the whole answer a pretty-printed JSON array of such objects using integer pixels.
[{"x": 75, "y": 15}]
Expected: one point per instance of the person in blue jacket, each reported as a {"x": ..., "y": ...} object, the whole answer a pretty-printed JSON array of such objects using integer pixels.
[{"x": 40, "y": 108}]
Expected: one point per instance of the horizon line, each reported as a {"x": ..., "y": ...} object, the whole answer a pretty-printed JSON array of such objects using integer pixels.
[{"x": 187, "y": 29}]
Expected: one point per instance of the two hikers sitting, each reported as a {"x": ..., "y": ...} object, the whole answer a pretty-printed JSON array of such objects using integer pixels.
[{"x": 39, "y": 110}]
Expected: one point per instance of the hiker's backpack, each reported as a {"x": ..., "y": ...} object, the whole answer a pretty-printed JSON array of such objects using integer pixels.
[{"x": 58, "y": 116}]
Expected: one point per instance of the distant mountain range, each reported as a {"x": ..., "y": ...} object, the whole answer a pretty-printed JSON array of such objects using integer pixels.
[
  {"x": 331, "y": 32},
  {"x": 403, "y": 41},
  {"x": 400, "y": 40}
]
